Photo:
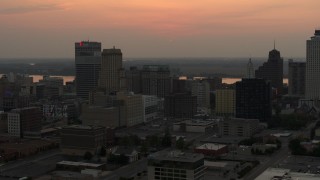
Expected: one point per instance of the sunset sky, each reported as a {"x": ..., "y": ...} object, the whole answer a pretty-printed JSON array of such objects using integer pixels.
[{"x": 158, "y": 28}]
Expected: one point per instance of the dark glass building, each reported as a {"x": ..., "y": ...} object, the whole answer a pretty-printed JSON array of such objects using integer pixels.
[
  {"x": 182, "y": 105},
  {"x": 253, "y": 99},
  {"x": 88, "y": 64}
]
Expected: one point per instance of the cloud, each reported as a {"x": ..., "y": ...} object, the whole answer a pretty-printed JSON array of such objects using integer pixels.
[{"x": 31, "y": 8}]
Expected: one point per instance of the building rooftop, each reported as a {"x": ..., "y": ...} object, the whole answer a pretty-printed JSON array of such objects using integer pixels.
[
  {"x": 73, "y": 163},
  {"x": 211, "y": 146},
  {"x": 82, "y": 127},
  {"x": 176, "y": 155},
  {"x": 285, "y": 174}
]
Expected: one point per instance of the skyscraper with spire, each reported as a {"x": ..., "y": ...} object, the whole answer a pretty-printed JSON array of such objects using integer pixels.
[
  {"x": 313, "y": 67},
  {"x": 272, "y": 70},
  {"x": 250, "y": 70}
]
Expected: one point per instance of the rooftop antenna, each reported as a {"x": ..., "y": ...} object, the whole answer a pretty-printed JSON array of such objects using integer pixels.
[{"x": 274, "y": 44}]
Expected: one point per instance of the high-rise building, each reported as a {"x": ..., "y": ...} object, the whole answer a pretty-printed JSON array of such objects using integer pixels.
[
  {"x": 155, "y": 80},
  {"x": 297, "y": 78},
  {"x": 176, "y": 165},
  {"x": 201, "y": 89},
  {"x": 272, "y": 70},
  {"x": 180, "y": 105},
  {"x": 313, "y": 67},
  {"x": 111, "y": 67},
  {"x": 88, "y": 63},
  {"x": 250, "y": 70},
  {"x": 253, "y": 99},
  {"x": 225, "y": 102},
  {"x": 133, "y": 77}
]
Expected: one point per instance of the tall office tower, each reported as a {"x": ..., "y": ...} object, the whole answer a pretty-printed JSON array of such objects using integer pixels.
[
  {"x": 250, "y": 70},
  {"x": 111, "y": 66},
  {"x": 225, "y": 102},
  {"x": 155, "y": 80},
  {"x": 201, "y": 89},
  {"x": 88, "y": 63},
  {"x": 313, "y": 67},
  {"x": 253, "y": 99},
  {"x": 272, "y": 70},
  {"x": 297, "y": 78},
  {"x": 133, "y": 77}
]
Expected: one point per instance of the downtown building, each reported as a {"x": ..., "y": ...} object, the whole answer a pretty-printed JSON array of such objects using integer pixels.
[
  {"x": 111, "y": 70},
  {"x": 24, "y": 122},
  {"x": 225, "y": 102},
  {"x": 253, "y": 99},
  {"x": 272, "y": 70},
  {"x": 156, "y": 80},
  {"x": 180, "y": 105},
  {"x": 88, "y": 64},
  {"x": 313, "y": 67},
  {"x": 297, "y": 78},
  {"x": 168, "y": 164}
]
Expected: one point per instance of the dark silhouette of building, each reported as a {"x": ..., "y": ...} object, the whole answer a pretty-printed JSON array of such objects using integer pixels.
[
  {"x": 214, "y": 83},
  {"x": 253, "y": 99},
  {"x": 272, "y": 70},
  {"x": 88, "y": 63},
  {"x": 182, "y": 105},
  {"x": 297, "y": 78},
  {"x": 111, "y": 67},
  {"x": 133, "y": 77},
  {"x": 156, "y": 80},
  {"x": 179, "y": 86}
]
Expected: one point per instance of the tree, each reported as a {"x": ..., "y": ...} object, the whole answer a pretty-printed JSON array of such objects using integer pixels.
[
  {"x": 296, "y": 147},
  {"x": 144, "y": 148},
  {"x": 87, "y": 155}
]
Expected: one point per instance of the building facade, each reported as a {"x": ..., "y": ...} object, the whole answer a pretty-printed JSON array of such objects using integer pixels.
[
  {"x": 151, "y": 108},
  {"x": 272, "y": 70},
  {"x": 155, "y": 80},
  {"x": 76, "y": 140},
  {"x": 24, "y": 122},
  {"x": 239, "y": 127},
  {"x": 111, "y": 66},
  {"x": 201, "y": 89},
  {"x": 183, "y": 105},
  {"x": 313, "y": 67},
  {"x": 87, "y": 64},
  {"x": 253, "y": 99},
  {"x": 225, "y": 102},
  {"x": 176, "y": 165},
  {"x": 297, "y": 78}
]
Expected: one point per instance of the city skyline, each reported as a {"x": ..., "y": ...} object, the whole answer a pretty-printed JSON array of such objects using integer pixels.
[{"x": 47, "y": 29}]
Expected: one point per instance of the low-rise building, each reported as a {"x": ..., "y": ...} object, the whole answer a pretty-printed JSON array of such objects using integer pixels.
[
  {"x": 239, "y": 127},
  {"x": 24, "y": 122},
  {"x": 176, "y": 165},
  {"x": 211, "y": 149},
  {"x": 195, "y": 126},
  {"x": 76, "y": 140},
  {"x": 129, "y": 152}
]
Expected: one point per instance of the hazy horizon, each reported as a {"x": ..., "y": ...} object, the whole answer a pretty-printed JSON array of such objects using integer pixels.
[{"x": 161, "y": 28}]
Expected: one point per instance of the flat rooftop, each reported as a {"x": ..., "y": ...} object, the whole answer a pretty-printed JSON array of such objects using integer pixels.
[
  {"x": 176, "y": 155},
  {"x": 73, "y": 163},
  {"x": 211, "y": 146},
  {"x": 285, "y": 174}
]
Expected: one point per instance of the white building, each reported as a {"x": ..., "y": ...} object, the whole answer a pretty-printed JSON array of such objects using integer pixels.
[
  {"x": 313, "y": 67},
  {"x": 277, "y": 173},
  {"x": 14, "y": 125},
  {"x": 151, "y": 106}
]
